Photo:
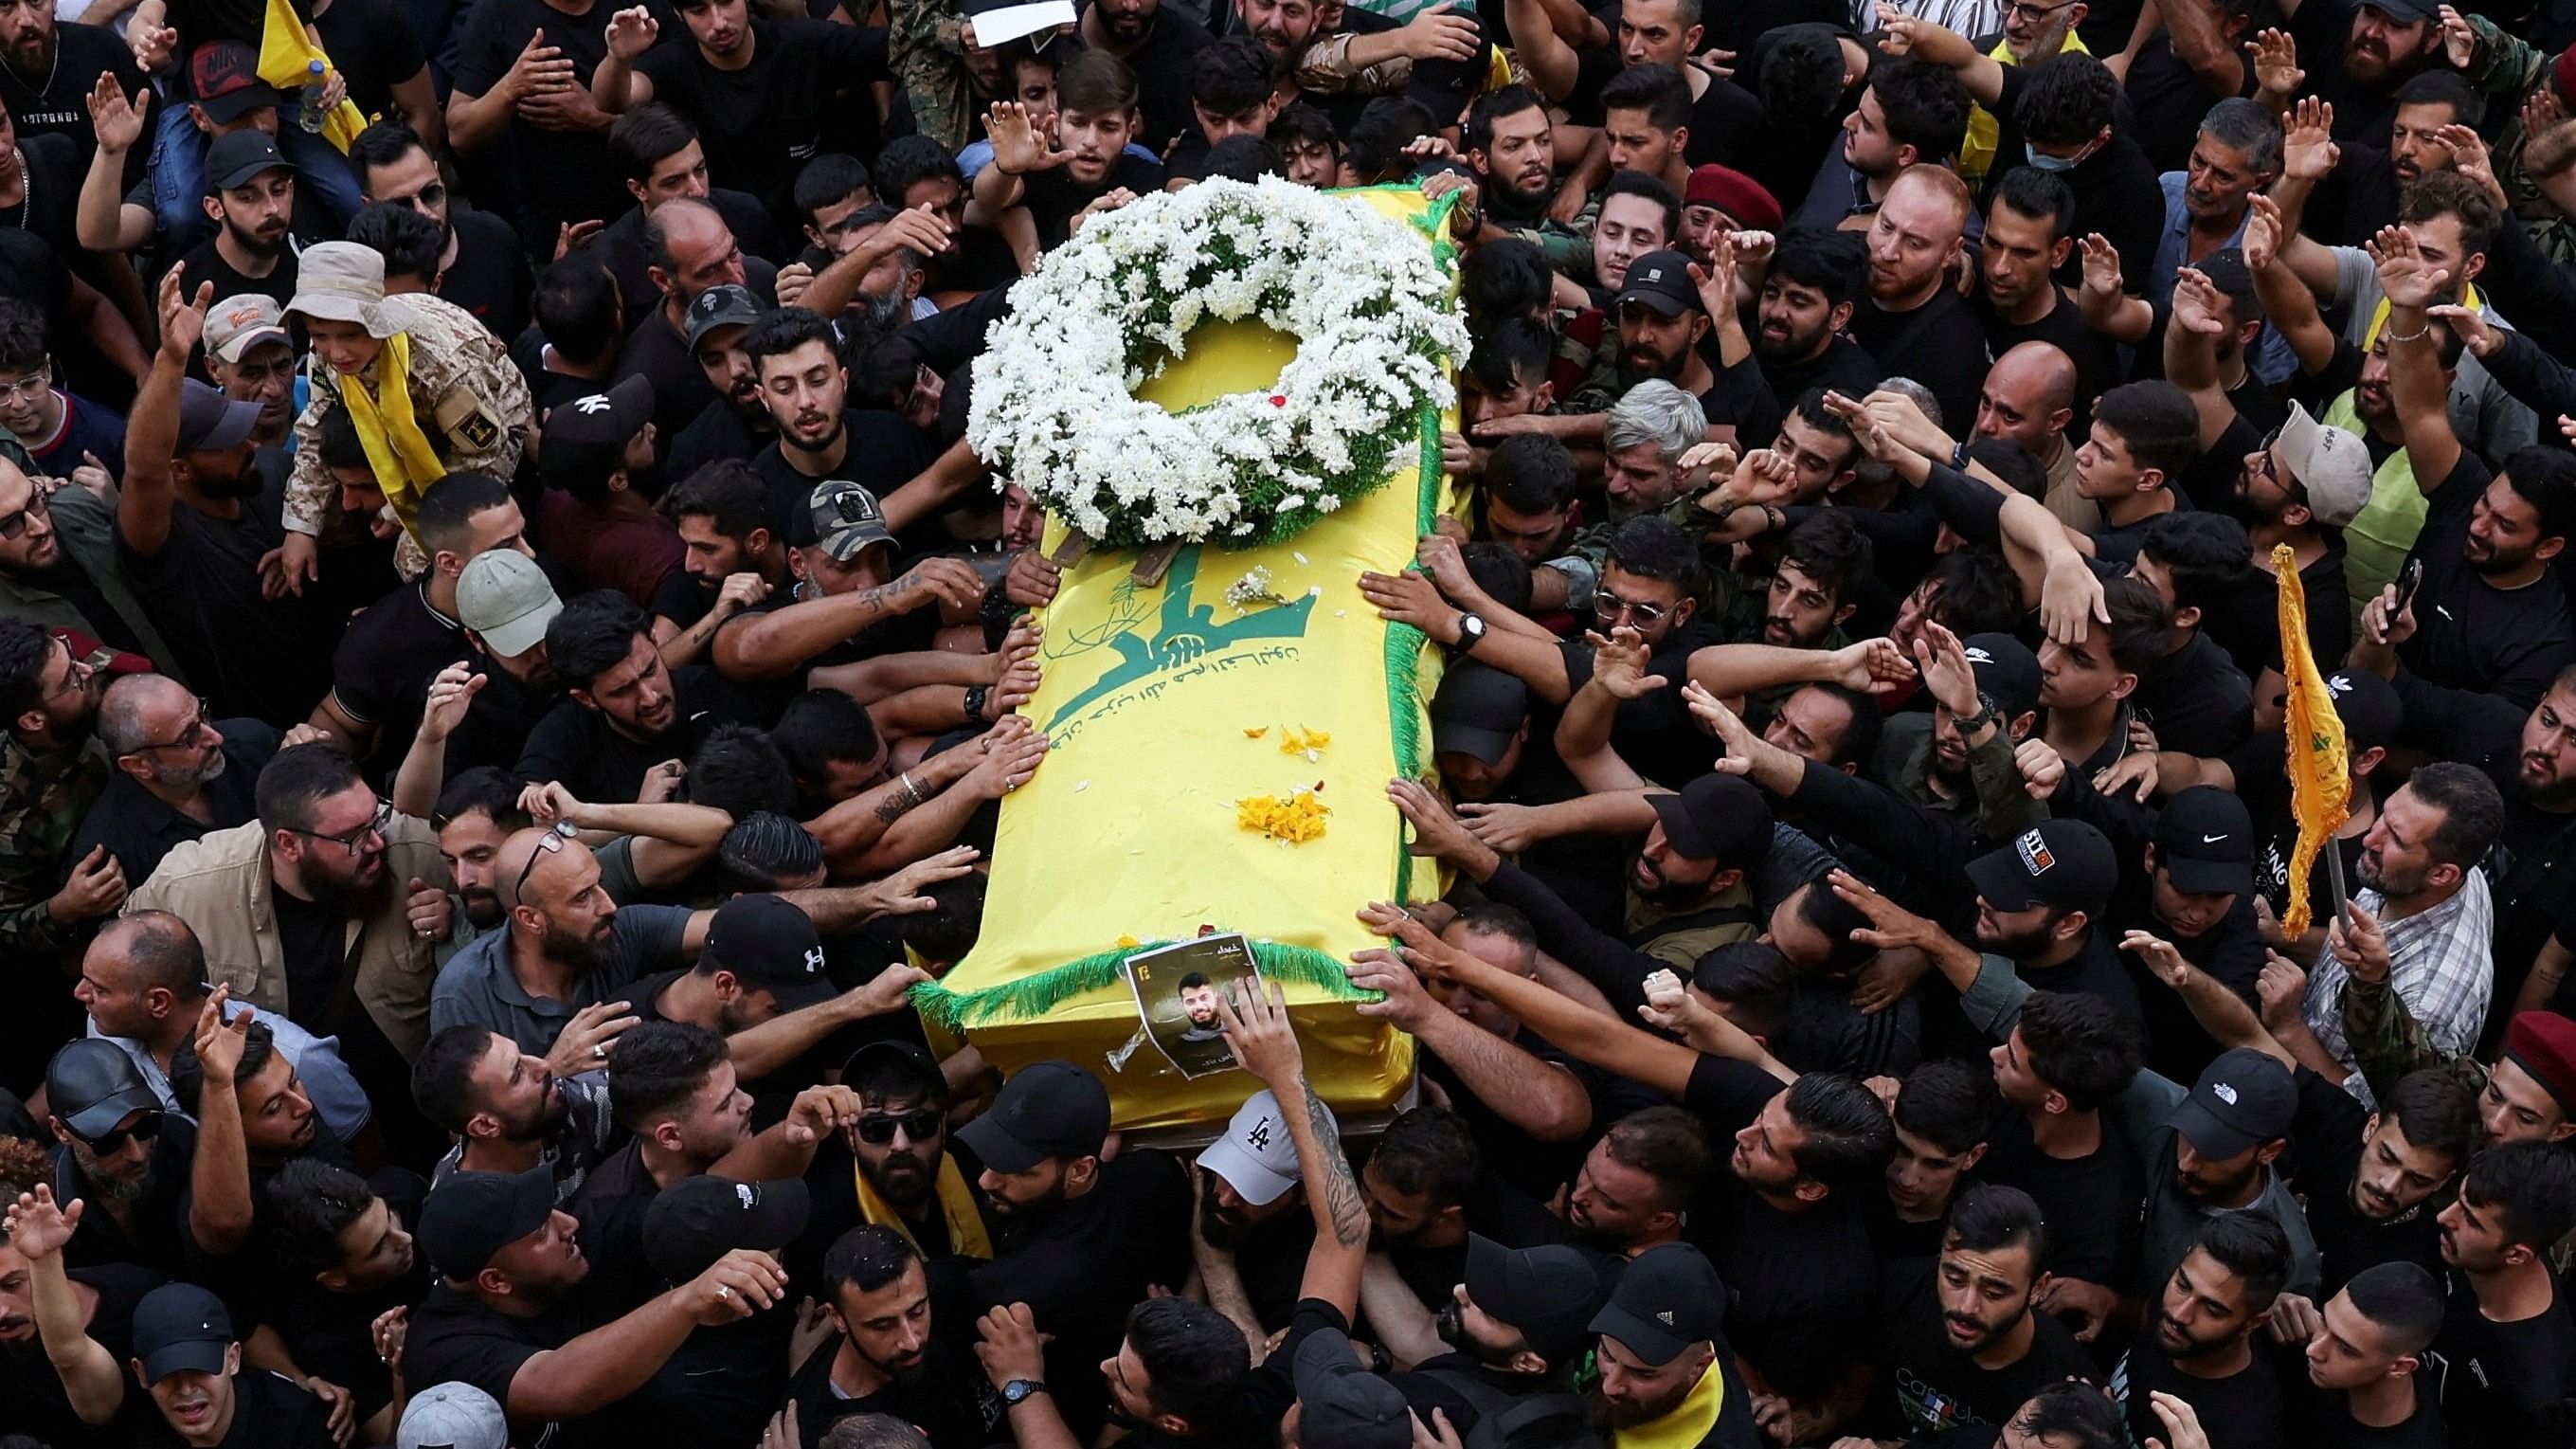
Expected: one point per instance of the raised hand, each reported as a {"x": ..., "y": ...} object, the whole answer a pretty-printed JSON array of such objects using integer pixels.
[
  {"x": 152, "y": 47},
  {"x": 1872, "y": 666},
  {"x": 2276, "y": 64},
  {"x": 587, "y": 1039},
  {"x": 1436, "y": 832},
  {"x": 2308, "y": 149},
  {"x": 736, "y": 1286},
  {"x": 2404, "y": 275},
  {"x": 38, "y": 1227},
  {"x": 2197, "y": 304},
  {"x": 1254, "y": 1015},
  {"x": 2281, "y": 991},
  {"x": 183, "y": 315},
  {"x": 2471, "y": 327},
  {"x": 117, "y": 120},
  {"x": 219, "y": 1044},
  {"x": 2102, "y": 277},
  {"x": 631, "y": 33},
  {"x": 2262, "y": 232},
  {"x": 1891, "y": 926},
  {"x": 2543, "y": 111},
  {"x": 2471, "y": 158},
  {"x": 1763, "y": 477},
  {"x": 2159, "y": 956},
  {"x": 451, "y": 695},
  {"x": 1619, "y": 664},
  {"x": 2459, "y": 42},
  {"x": 1732, "y": 733},
  {"x": 1943, "y": 661},
  {"x": 901, "y": 892},
  {"x": 2041, "y": 767},
  {"x": 1018, "y": 146},
  {"x": 1440, "y": 33}
]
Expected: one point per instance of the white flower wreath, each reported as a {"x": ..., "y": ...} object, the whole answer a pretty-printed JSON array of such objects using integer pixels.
[{"x": 1054, "y": 406}]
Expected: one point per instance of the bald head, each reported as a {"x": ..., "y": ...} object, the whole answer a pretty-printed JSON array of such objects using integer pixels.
[
  {"x": 564, "y": 859},
  {"x": 144, "y": 977},
  {"x": 130, "y": 712},
  {"x": 690, "y": 249},
  {"x": 2029, "y": 397}
]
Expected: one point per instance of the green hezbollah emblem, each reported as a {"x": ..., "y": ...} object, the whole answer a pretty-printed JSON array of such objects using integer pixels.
[{"x": 1187, "y": 641}]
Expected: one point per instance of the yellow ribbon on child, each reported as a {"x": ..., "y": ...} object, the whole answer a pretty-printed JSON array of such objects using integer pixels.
[
  {"x": 956, "y": 1206},
  {"x": 397, "y": 449},
  {"x": 286, "y": 56}
]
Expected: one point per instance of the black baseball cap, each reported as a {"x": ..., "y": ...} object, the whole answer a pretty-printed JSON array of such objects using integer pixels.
[
  {"x": 914, "y": 1056},
  {"x": 1046, "y": 1109},
  {"x": 210, "y": 422},
  {"x": 2404, "y": 12},
  {"x": 586, "y": 437},
  {"x": 2242, "y": 1100},
  {"x": 1478, "y": 710},
  {"x": 2205, "y": 841},
  {"x": 235, "y": 159},
  {"x": 730, "y": 305},
  {"x": 1668, "y": 1299},
  {"x": 1662, "y": 281},
  {"x": 2369, "y": 708},
  {"x": 2063, "y": 863},
  {"x": 1549, "y": 1293},
  {"x": 1441, "y": 85},
  {"x": 1343, "y": 1404},
  {"x": 766, "y": 942},
  {"x": 697, "y": 1220},
  {"x": 1717, "y": 817},
  {"x": 181, "y": 1328},
  {"x": 470, "y": 1216},
  {"x": 2007, "y": 672},
  {"x": 92, "y": 1085}
]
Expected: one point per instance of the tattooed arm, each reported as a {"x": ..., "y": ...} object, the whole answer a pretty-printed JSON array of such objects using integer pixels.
[
  {"x": 1257, "y": 1029},
  {"x": 773, "y": 643}
]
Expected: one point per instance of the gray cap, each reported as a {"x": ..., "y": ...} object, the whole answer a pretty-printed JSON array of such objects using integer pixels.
[
  {"x": 344, "y": 282},
  {"x": 2330, "y": 465},
  {"x": 504, "y": 596},
  {"x": 730, "y": 305},
  {"x": 235, "y": 325},
  {"x": 842, "y": 519},
  {"x": 452, "y": 1416},
  {"x": 1257, "y": 1156}
]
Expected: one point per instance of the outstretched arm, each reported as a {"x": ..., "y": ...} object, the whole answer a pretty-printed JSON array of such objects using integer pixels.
[{"x": 1258, "y": 1032}]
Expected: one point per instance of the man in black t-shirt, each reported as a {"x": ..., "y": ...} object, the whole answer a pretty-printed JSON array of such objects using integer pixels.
[
  {"x": 691, "y": 250},
  {"x": 1911, "y": 318},
  {"x": 188, "y": 1361},
  {"x": 483, "y": 269},
  {"x": 2199, "y": 1346},
  {"x": 759, "y": 89},
  {"x": 1095, "y": 117},
  {"x": 627, "y": 710},
  {"x": 47, "y": 66},
  {"x": 35, "y": 1392},
  {"x": 250, "y": 195},
  {"x": 2364, "y": 1391},
  {"x": 2068, "y": 1055},
  {"x": 2507, "y": 1351},
  {"x": 1968, "y": 1345},
  {"x": 884, "y": 1357},
  {"x": 351, "y": 1247},
  {"x": 508, "y": 1317}
]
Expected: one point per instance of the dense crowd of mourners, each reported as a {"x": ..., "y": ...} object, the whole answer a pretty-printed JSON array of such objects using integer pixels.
[{"x": 510, "y": 669}]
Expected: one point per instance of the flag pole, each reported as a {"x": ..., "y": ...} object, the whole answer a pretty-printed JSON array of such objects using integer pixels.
[{"x": 2340, "y": 895}]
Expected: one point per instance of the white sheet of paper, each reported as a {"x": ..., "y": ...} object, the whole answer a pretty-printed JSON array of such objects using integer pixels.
[{"x": 1010, "y": 22}]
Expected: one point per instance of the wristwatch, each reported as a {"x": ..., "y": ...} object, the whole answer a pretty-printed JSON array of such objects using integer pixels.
[
  {"x": 1985, "y": 715},
  {"x": 1471, "y": 632},
  {"x": 1018, "y": 1391},
  {"x": 976, "y": 694}
]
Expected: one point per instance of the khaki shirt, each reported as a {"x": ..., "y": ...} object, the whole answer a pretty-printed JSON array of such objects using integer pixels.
[
  {"x": 219, "y": 884},
  {"x": 470, "y": 400}
]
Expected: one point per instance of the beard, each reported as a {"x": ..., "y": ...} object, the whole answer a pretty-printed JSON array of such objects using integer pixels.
[
  {"x": 882, "y": 314},
  {"x": 906, "y": 1192},
  {"x": 114, "y": 1189},
  {"x": 266, "y": 248},
  {"x": 584, "y": 954},
  {"x": 1223, "y": 1230},
  {"x": 1666, "y": 891},
  {"x": 187, "y": 778},
  {"x": 232, "y": 488},
  {"x": 346, "y": 896},
  {"x": 1628, "y": 1415}
]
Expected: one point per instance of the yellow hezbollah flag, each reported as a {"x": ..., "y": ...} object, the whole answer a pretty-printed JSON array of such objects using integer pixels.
[
  {"x": 2320, "y": 776},
  {"x": 286, "y": 56},
  {"x": 1170, "y": 705}
]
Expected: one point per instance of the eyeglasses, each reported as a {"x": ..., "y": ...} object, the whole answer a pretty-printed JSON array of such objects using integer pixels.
[
  {"x": 145, "y": 1128},
  {"x": 15, "y": 525},
  {"x": 920, "y": 1125},
  {"x": 2030, "y": 14},
  {"x": 76, "y": 675},
  {"x": 31, "y": 387},
  {"x": 187, "y": 735},
  {"x": 1609, "y": 606},
  {"x": 550, "y": 843},
  {"x": 349, "y": 840}
]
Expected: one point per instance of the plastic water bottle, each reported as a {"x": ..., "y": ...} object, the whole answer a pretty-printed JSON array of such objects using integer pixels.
[{"x": 310, "y": 115}]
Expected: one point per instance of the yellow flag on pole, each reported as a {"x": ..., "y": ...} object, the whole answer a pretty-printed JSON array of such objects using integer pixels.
[
  {"x": 286, "y": 56},
  {"x": 2319, "y": 768}
]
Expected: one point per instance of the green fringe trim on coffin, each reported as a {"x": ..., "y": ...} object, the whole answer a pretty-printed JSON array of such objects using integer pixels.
[{"x": 1035, "y": 996}]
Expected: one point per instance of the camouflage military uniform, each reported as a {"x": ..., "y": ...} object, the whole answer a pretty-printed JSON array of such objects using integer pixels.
[
  {"x": 2388, "y": 1042},
  {"x": 926, "y": 42},
  {"x": 2507, "y": 71},
  {"x": 42, "y": 799},
  {"x": 468, "y": 396}
]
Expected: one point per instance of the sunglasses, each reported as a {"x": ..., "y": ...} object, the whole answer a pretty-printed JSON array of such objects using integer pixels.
[
  {"x": 423, "y": 199},
  {"x": 145, "y": 1128},
  {"x": 550, "y": 843},
  {"x": 920, "y": 1125},
  {"x": 1607, "y": 605}
]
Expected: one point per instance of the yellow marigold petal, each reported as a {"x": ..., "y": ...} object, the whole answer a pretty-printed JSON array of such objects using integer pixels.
[{"x": 1254, "y": 732}]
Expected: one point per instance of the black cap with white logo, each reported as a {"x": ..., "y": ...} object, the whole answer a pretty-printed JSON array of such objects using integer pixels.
[
  {"x": 767, "y": 943},
  {"x": 2205, "y": 842}
]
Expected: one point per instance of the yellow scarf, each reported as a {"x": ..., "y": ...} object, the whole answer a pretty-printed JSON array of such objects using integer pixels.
[
  {"x": 1686, "y": 1426},
  {"x": 2379, "y": 319},
  {"x": 286, "y": 55},
  {"x": 956, "y": 1206},
  {"x": 397, "y": 450}
]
